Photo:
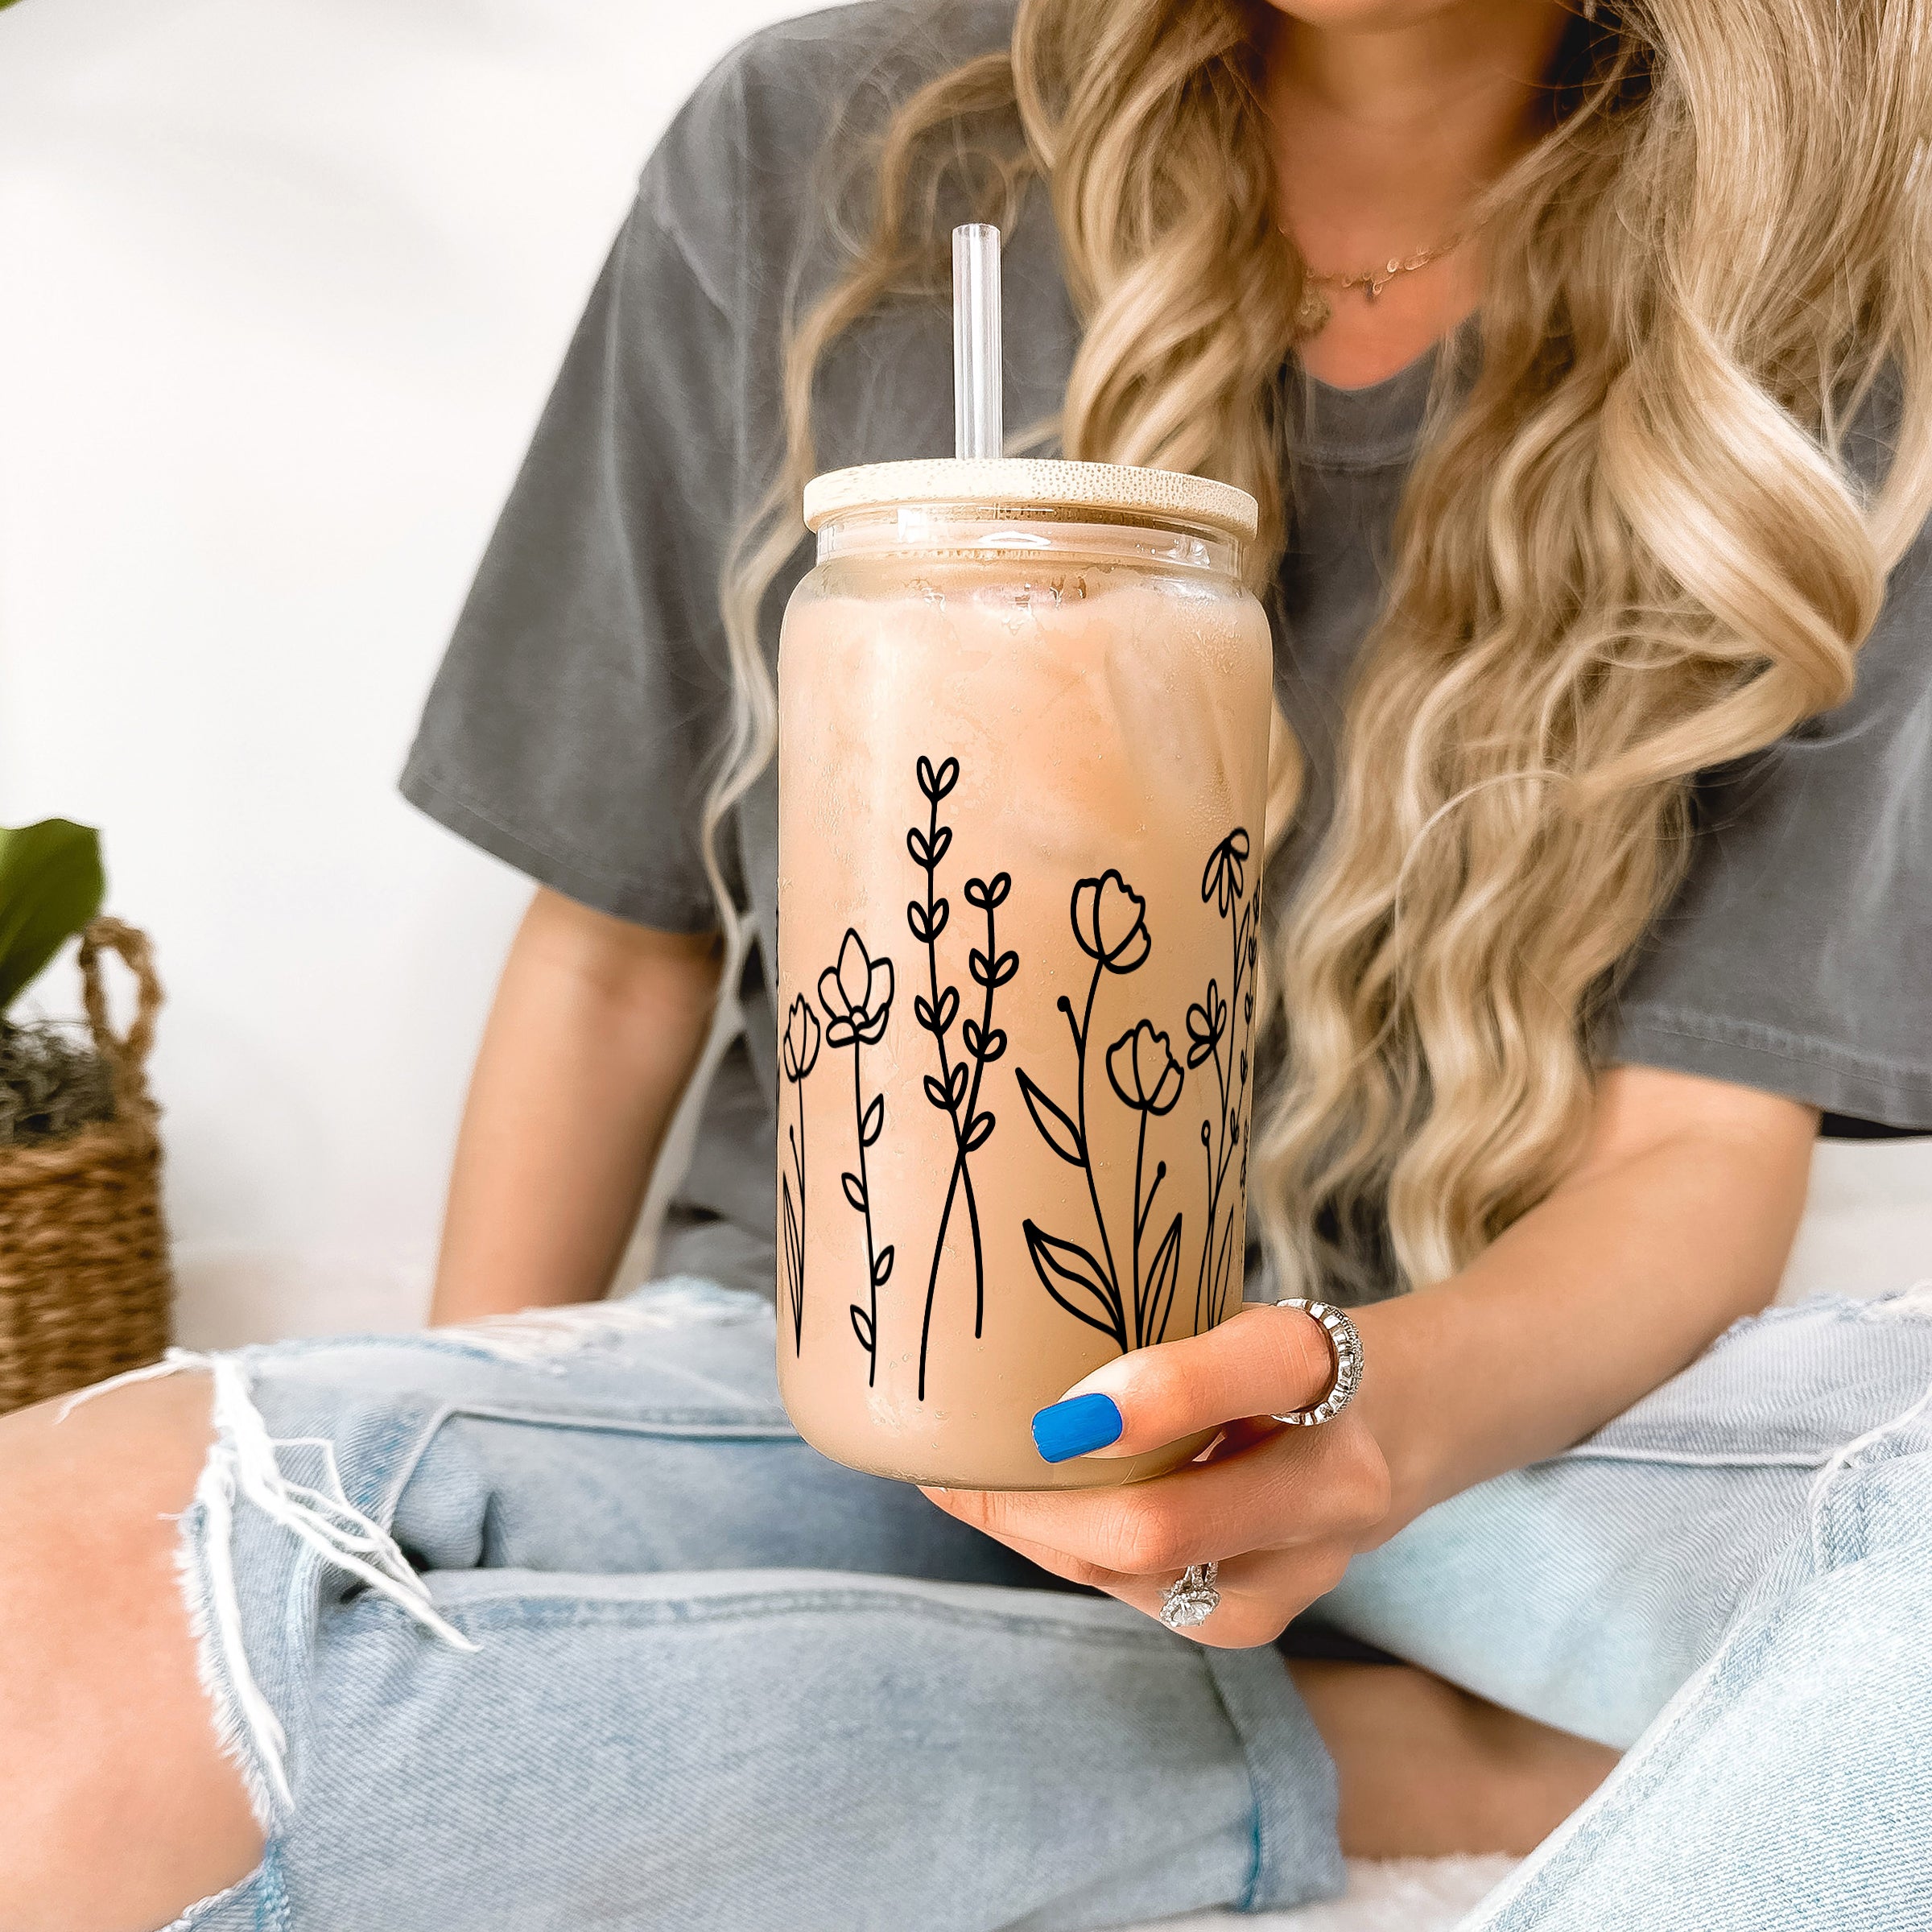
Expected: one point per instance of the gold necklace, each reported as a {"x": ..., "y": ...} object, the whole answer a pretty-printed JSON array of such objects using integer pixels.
[{"x": 1312, "y": 316}]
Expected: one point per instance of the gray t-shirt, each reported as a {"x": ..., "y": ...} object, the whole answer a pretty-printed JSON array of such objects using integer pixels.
[{"x": 569, "y": 727}]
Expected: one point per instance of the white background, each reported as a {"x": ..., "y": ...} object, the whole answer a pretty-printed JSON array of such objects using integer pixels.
[{"x": 284, "y": 284}]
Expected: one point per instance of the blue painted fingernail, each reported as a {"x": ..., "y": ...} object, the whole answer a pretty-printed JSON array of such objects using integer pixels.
[{"x": 1072, "y": 1428}]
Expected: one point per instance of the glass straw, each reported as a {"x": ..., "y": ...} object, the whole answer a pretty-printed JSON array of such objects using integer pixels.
[{"x": 978, "y": 427}]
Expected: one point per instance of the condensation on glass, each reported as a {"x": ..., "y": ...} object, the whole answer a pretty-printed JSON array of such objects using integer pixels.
[{"x": 1023, "y": 753}]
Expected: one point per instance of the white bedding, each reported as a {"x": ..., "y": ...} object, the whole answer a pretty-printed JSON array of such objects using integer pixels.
[{"x": 1400, "y": 1895}]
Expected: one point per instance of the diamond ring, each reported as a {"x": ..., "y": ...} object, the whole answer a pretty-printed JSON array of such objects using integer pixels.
[
  {"x": 1345, "y": 1345},
  {"x": 1192, "y": 1598}
]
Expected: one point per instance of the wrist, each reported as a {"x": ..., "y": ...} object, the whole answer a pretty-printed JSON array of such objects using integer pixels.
[{"x": 1395, "y": 1406}]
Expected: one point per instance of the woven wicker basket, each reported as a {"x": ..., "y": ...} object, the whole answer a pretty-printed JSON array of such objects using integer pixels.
[{"x": 84, "y": 1286}]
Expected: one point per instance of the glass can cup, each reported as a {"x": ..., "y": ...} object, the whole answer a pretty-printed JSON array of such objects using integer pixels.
[{"x": 1023, "y": 717}]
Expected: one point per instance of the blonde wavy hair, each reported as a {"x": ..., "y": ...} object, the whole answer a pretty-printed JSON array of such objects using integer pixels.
[{"x": 1632, "y": 548}]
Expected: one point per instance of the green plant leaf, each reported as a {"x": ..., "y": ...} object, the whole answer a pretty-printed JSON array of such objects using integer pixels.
[{"x": 50, "y": 885}]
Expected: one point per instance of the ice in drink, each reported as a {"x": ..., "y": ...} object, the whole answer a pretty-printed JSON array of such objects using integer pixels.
[{"x": 1022, "y": 774}]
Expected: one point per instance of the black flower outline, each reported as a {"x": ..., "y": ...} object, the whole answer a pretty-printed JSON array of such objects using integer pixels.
[
  {"x": 1109, "y": 921},
  {"x": 1225, "y": 877},
  {"x": 797, "y": 1054},
  {"x": 1207, "y": 1025},
  {"x": 1224, "y": 885},
  {"x": 1141, "y": 1050},
  {"x": 856, "y": 994}
]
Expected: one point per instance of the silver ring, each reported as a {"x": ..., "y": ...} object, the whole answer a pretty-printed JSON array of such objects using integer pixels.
[
  {"x": 1192, "y": 1598},
  {"x": 1345, "y": 1345}
]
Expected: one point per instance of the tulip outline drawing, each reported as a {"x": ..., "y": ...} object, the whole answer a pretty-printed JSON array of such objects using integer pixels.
[
  {"x": 856, "y": 994},
  {"x": 1109, "y": 921},
  {"x": 797, "y": 1054},
  {"x": 1142, "y": 1051}
]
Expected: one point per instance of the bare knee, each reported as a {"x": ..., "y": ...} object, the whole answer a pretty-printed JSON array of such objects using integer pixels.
[{"x": 117, "y": 1809}]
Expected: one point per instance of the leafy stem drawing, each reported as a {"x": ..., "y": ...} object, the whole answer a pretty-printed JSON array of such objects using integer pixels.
[
  {"x": 955, "y": 1089},
  {"x": 1209, "y": 1029},
  {"x": 856, "y": 994},
  {"x": 1110, "y": 924},
  {"x": 991, "y": 969},
  {"x": 799, "y": 1054}
]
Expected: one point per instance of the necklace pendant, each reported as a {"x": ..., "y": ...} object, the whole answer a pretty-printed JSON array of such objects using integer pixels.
[{"x": 1312, "y": 315}]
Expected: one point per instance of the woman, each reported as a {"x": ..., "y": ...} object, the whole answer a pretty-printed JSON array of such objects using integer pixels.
[{"x": 1599, "y": 876}]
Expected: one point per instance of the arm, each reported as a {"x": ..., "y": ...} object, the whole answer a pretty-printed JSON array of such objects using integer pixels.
[
  {"x": 1675, "y": 1221},
  {"x": 596, "y": 1027}
]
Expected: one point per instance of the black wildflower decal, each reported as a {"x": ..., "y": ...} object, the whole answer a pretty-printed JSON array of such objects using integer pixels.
[
  {"x": 797, "y": 1054},
  {"x": 1109, "y": 922},
  {"x": 856, "y": 994},
  {"x": 955, "y": 1090},
  {"x": 1224, "y": 878},
  {"x": 1141, "y": 1069},
  {"x": 1210, "y": 1030}
]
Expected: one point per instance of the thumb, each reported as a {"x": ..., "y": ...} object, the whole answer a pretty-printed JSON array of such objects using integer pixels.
[{"x": 1263, "y": 1361}]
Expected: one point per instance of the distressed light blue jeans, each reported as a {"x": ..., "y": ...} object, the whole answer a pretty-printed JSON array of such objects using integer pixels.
[{"x": 554, "y": 1623}]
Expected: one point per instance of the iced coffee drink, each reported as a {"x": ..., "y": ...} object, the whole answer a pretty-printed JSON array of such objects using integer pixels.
[{"x": 1023, "y": 731}]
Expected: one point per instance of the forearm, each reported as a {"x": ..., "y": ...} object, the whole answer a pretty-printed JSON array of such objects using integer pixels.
[
  {"x": 593, "y": 1035},
  {"x": 1651, "y": 1248}
]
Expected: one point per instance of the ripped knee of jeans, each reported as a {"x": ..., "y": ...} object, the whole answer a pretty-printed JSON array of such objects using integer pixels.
[{"x": 244, "y": 1470}]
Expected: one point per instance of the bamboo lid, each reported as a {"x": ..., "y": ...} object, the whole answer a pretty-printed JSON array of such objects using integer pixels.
[{"x": 1028, "y": 482}]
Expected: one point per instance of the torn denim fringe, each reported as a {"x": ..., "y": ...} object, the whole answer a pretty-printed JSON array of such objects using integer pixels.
[{"x": 244, "y": 1465}]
